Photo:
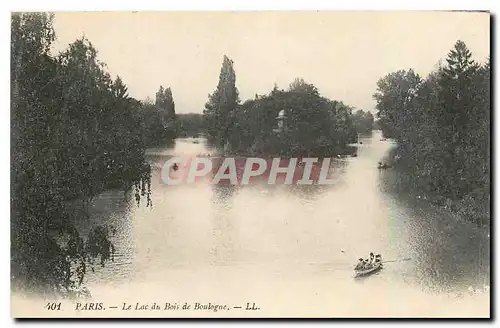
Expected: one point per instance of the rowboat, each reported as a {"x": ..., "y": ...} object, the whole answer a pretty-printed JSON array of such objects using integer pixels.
[
  {"x": 383, "y": 166},
  {"x": 375, "y": 267}
]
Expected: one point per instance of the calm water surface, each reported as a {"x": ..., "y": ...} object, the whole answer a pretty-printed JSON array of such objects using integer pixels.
[{"x": 291, "y": 250}]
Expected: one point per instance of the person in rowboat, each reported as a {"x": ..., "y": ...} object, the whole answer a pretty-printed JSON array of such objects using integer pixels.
[
  {"x": 378, "y": 260},
  {"x": 360, "y": 265},
  {"x": 366, "y": 264},
  {"x": 369, "y": 262}
]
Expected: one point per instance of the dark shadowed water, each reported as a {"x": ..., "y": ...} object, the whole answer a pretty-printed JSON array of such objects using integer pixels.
[{"x": 291, "y": 250}]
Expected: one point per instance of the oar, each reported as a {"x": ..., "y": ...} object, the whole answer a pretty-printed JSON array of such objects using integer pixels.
[
  {"x": 406, "y": 259},
  {"x": 323, "y": 263}
]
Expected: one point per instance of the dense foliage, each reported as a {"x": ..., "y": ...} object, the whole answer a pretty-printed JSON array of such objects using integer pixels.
[
  {"x": 442, "y": 126},
  {"x": 75, "y": 133},
  {"x": 363, "y": 121},
  {"x": 159, "y": 121},
  {"x": 191, "y": 125},
  {"x": 298, "y": 121}
]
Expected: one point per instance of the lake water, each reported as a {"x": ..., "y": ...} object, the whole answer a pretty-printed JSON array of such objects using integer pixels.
[{"x": 291, "y": 250}]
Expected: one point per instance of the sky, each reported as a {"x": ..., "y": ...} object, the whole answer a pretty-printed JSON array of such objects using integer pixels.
[{"x": 342, "y": 53}]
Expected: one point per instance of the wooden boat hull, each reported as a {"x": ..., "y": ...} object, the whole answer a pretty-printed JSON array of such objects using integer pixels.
[{"x": 361, "y": 273}]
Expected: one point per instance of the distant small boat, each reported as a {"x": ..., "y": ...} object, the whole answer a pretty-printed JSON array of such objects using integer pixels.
[
  {"x": 374, "y": 268},
  {"x": 383, "y": 166},
  {"x": 196, "y": 141}
]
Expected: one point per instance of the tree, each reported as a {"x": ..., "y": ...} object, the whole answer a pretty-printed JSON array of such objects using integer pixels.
[
  {"x": 169, "y": 103},
  {"x": 458, "y": 105},
  {"x": 165, "y": 107},
  {"x": 221, "y": 104},
  {"x": 394, "y": 94},
  {"x": 165, "y": 101},
  {"x": 459, "y": 61},
  {"x": 120, "y": 89}
]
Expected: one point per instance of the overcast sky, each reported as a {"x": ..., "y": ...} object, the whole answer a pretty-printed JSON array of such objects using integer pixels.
[{"x": 342, "y": 53}]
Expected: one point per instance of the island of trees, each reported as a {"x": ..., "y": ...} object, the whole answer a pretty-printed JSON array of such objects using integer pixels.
[{"x": 293, "y": 122}]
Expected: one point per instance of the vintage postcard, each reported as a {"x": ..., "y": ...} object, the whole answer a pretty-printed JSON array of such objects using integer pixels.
[{"x": 250, "y": 164}]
